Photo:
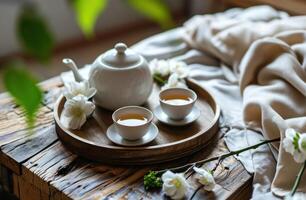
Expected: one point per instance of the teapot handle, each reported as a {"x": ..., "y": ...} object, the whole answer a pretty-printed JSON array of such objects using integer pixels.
[{"x": 71, "y": 64}]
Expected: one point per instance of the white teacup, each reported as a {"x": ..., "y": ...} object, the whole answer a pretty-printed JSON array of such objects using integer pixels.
[
  {"x": 132, "y": 122},
  {"x": 177, "y": 103}
]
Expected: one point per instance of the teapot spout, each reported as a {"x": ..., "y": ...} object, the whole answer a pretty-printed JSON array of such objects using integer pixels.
[{"x": 71, "y": 64}]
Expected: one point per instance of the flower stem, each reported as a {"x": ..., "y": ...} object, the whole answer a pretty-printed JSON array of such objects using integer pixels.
[
  {"x": 159, "y": 79},
  {"x": 298, "y": 179},
  {"x": 195, "y": 192},
  {"x": 221, "y": 157}
]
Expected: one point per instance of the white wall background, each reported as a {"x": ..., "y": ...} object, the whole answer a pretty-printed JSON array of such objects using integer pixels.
[{"x": 61, "y": 20}]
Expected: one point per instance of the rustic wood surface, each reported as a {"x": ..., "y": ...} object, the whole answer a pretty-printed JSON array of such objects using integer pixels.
[
  {"x": 40, "y": 167},
  {"x": 171, "y": 143}
]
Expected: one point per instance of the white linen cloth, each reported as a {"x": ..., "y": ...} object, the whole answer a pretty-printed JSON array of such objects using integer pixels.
[
  {"x": 223, "y": 84},
  {"x": 259, "y": 85}
]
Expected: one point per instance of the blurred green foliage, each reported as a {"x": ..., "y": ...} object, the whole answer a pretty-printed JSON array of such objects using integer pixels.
[
  {"x": 22, "y": 86},
  {"x": 33, "y": 33},
  {"x": 155, "y": 10},
  {"x": 87, "y": 13},
  {"x": 37, "y": 40}
]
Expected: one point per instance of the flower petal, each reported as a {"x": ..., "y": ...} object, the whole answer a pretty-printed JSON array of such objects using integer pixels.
[
  {"x": 205, "y": 178},
  {"x": 169, "y": 189},
  {"x": 76, "y": 111},
  {"x": 302, "y": 143},
  {"x": 75, "y": 122},
  {"x": 180, "y": 193},
  {"x": 74, "y": 88},
  {"x": 88, "y": 108},
  {"x": 91, "y": 92},
  {"x": 290, "y": 133},
  {"x": 167, "y": 175},
  {"x": 299, "y": 157},
  {"x": 179, "y": 68},
  {"x": 174, "y": 185},
  {"x": 288, "y": 145}
]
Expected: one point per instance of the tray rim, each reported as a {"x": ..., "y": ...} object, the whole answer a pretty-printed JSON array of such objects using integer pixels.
[{"x": 217, "y": 112}]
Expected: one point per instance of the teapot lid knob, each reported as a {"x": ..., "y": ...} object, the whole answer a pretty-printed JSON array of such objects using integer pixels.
[
  {"x": 120, "y": 48},
  {"x": 121, "y": 56}
]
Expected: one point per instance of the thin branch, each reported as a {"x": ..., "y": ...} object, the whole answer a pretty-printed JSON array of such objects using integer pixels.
[
  {"x": 217, "y": 164},
  {"x": 298, "y": 179},
  {"x": 221, "y": 157},
  {"x": 195, "y": 192},
  {"x": 188, "y": 170}
]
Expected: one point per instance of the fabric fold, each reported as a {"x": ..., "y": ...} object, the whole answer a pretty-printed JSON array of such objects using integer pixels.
[
  {"x": 269, "y": 60},
  {"x": 254, "y": 63},
  {"x": 262, "y": 53}
]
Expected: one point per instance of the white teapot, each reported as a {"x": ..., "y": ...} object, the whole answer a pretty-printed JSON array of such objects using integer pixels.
[{"x": 121, "y": 77}]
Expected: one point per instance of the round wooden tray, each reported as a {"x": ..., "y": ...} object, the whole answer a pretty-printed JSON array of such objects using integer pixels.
[{"x": 171, "y": 143}]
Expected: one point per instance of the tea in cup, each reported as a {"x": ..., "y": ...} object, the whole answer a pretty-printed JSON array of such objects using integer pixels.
[
  {"x": 177, "y": 103},
  {"x": 132, "y": 122}
]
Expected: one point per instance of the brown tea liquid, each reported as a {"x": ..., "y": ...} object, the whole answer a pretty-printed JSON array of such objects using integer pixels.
[
  {"x": 132, "y": 120},
  {"x": 177, "y": 99}
]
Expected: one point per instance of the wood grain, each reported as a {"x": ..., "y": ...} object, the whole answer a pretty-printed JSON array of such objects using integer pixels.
[
  {"x": 17, "y": 144},
  {"x": 16, "y": 188},
  {"x": 171, "y": 143},
  {"x": 90, "y": 180},
  {"x": 28, "y": 191},
  {"x": 53, "y": 172}
]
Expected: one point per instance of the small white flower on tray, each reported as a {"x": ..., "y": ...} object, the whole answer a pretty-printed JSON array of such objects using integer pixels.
[
  {"x": 295, "y": 144},
  {"x": 174, "y": 185},
  {"x": 168, "y": 67},
  {"x": 76, "y": 111},
  {"x": 160, "y": 67},
  {"x": 74, "y": 88},
  {"x": 174, "y": 81},
  {"x": 205, "y": 178},
  {"x": 179, "y": 68}
]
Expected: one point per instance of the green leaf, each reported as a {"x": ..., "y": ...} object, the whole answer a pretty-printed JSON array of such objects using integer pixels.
[
  {"x": 155, "y": 10},
  {"x": 34, "y": 34},
  {"x": 296, "y": 139},
  {"x": 159, "y": 79},
  {"x": 87, "y": 13},
  {"x": 22, "y": 87},
  {"x": 152, "y": 181}
]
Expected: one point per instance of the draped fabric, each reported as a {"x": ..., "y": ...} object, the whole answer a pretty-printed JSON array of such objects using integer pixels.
[{"x": 253, "y": 61}]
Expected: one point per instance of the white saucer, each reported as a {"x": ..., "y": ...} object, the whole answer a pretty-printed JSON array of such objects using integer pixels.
[
  {"x": 116, "y": 138},
  {"x": 163, "y": 117}
]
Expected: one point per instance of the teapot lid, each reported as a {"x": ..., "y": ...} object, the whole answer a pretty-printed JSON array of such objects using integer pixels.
[{"x": 120, "y": 56}]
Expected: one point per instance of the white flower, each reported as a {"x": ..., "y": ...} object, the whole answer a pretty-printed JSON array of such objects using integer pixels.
[
  {"x": 302, "y": 143},
  {"x": 296, "y": 196},
  {"x": 76, "y": 110},
  {"x": 205, "y": 178},
  {"x": 179, "y": 68},
  {"x": 291, "y": 145},
  {"x": 160, "y": 67},
  {"x": 168, "y": 67},
  {"x": 74, "y": 88},
  {"x": 288, "y": 140},
  {"x": 174, "y": 81},
  {"x": 174, "y": 185}
]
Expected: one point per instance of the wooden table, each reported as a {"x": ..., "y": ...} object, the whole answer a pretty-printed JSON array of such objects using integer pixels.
[{"x": 38, "y": 166}]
